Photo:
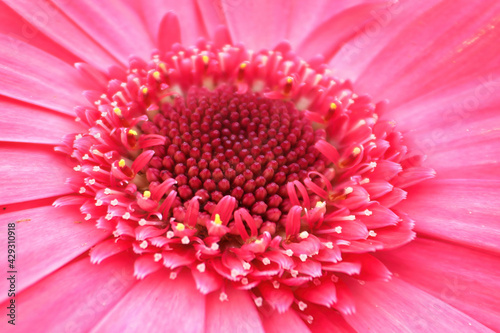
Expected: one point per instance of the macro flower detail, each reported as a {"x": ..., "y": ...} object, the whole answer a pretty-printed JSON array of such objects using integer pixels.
[
  {"x": 250, "y": 169},
  {"x": 250, "y": 166}
]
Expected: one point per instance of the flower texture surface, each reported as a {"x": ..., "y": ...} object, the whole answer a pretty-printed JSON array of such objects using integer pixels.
[{"x": 226, "y": 170}]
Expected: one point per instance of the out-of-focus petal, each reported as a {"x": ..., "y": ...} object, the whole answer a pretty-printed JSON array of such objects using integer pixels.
[
  {"x": 397, "y": 306},
  {"x": 166, "y": 305},
  {"x": 464, "y": 211},
  {"x": 47, "y": 238},
  {"x": 69, "y": 301},
  {"x": 466, "y": 277}
]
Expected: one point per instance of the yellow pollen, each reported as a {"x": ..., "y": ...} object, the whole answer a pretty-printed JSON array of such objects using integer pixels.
[
  {"x": 156, "y": 75},
  {"x": 117, "y": 111},
  {"x": 243, "y": 65},
  {"x": 121, "y": 164},
  {"x": 356, "y": 151},
  {"x": 147, "y": 194},
  {"x": 145, "y": 90},
  {"x": 258, "y": 241},
  {"x": 180, "y": 227},
  {"x": 131, "y": 131},
  {"x": 205, "y": 59},
  {"x": 289, "y": 80},
  {"x": 333, "y": 106},
  {"x": 320, "y": 204},
  {"x": 217, "y": 219},
  {"x": 163, "y": 67}
]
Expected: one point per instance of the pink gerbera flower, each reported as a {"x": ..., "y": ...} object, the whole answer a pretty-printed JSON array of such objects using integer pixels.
[{"x": 227, "y": 171}]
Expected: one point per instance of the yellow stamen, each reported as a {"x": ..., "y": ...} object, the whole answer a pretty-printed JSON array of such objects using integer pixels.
[
  {"x": 117, "y": 111},
  {"x": 333, "y": 106},
  {"x": 145, "y": 90},
  {"x": 320, "y": 204},
  {"x": 356, "y": 151},
  {"x": 180, "y": 227},
  {"x": 243, "y": 65},
  {"x": 289, "y": 80},
  {"x": 217, "y": 221},
  {"x": 156, "y": 75},
  {"x": 121, "y": 164},
  {"x": 131, "y": 131},
  {"x": 205, "y": 59},
  {"x": 163, "y": 67},
  {"x": 147, "y": 194}
]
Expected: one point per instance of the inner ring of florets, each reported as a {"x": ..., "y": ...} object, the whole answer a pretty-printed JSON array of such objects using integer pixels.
[
  {"x": 220, "y": 143},
  {"x": 251, "y": 169}
]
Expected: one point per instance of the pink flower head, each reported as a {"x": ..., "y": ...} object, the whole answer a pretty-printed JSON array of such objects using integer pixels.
[{"x": 228, "y": 172}]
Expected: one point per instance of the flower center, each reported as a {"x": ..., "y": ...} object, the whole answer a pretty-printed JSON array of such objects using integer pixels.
[
  {"x": 220, "y": 143},
  {"x": 256, "y": 170}
]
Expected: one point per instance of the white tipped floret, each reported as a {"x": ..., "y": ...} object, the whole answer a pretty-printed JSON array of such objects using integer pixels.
[
  {"x": 88, "y": 217},
  {"x": 114, "y": 202},
  {"x": 302, "y": 306},
  {"x": 158, "y": 257},
  {"x": 223, "y": 297},
  {"x": 266, "y": 261},
  {"x": 276, "y": 284},
  {"x": 303, "y": 257},
  {"x": 201, "y": 267},
  {"x": 338, "y": 229},
  {"x": 246, "y": 266},
  {"x": 372, "y": 233},
  {"x": 258, "y": 301},
  {"x": 185, "y": 240},
  {"x": 144, "y": 244},
  {"x": 289, "y": 252}
]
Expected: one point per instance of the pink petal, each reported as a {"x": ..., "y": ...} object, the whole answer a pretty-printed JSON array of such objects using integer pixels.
[
  {"x": 410, "y": 309},
  {"x": 461, "y": 211},
  {"x": 324, "y": 320},
  {"x": 443, "y": 51},
  {"x": 13, "y": 25},
  {"x": 255, "y": 23},
  {"x": 48, "y": 238},
  {"x": 68, "y": 300},
  {"x": 322, "y": 41},
  {"x": 24, "y": 123},
  {"x": 51, "y": 21},
  {"x": 165, "y": 305},
  {"x": 21, "y": 164},
  {"x": 113, "y": 25},
  {"x": 190, "y": 19},
  {"x": 58, "y": 88},
  {"x": 465, "y": 276},
  {"x": 384, "y": 25},
  {"x": 237, "y": 314},
  {"x": 461, "y": 142},
  {"x": 290, "y": 322}
]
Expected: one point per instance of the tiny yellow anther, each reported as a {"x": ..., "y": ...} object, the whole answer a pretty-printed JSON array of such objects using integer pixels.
[
  {"x": 356, "y": 151},
  {"x": 320, "y": 204},
  {"x": 145, "y": 90},
  {"x": 180, "y": 227},
  {"x": 147, "y": 194},
  {"x": 163, "y": 67},
  {"x": 289, "y": 80},
  {"x": 243, "y": 65},
  {"x": 258, "y": 241},
  {"x": 205, "y": 59},
  {"x": 117, "y": 111},
  {"x": 217, "y": 220},
  {"x": 121, "y": 163},
  {"x": 333, "y": 106},
  {"x": 156, "y": 75},
  {"x": 131, "y": 131}
]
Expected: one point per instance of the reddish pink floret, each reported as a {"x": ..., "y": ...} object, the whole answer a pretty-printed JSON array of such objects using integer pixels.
[{"x": 252, "y": 169}]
